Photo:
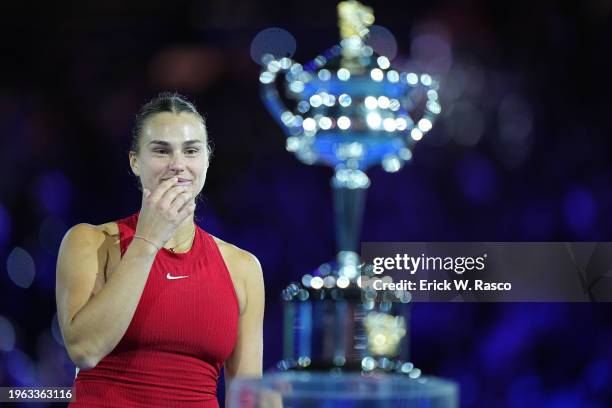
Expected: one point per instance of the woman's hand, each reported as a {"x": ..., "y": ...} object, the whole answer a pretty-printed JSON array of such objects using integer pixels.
[{"x": 162, "y": 211}]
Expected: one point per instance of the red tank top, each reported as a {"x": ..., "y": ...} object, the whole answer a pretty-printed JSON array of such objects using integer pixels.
[{"x": 184, "y": 328}]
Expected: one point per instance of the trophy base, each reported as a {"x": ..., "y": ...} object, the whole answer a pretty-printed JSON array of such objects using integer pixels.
[
  {"x": 329, "y": 325},
  {"x": 307, "y": 389}
]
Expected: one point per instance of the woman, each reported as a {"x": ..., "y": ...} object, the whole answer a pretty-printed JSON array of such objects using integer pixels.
[{"x": 151, "y": 306}]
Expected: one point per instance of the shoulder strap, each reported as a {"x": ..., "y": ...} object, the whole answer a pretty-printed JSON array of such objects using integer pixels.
[{"x": 127, "y": 228}]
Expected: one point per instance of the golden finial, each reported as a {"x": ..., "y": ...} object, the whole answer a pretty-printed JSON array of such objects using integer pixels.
[{"x": 354, "y": 19}]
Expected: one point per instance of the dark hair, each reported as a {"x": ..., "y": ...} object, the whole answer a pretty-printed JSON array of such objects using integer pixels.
[{"x": 164, "y": 102}]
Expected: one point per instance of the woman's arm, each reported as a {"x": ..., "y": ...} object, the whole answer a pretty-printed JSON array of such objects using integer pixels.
[
  {"x": 246, "y": 359},
  {"x": 93, "y": 325}
]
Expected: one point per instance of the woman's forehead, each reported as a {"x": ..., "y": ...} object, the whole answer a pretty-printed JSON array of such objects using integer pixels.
[{"x": 171, "y": 126}]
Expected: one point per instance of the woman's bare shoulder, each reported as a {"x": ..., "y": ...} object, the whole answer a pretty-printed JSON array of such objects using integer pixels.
[
  {"x": 240, "y": 260},
  {"x": 232, "y": 250},
  {"x": 246, "y": 273},
  {"x": 91, "y": 233},
  {"x": 110, "y": 228}
]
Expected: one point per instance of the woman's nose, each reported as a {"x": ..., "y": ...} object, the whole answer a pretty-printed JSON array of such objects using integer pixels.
[{"x": 178, "y": 163}]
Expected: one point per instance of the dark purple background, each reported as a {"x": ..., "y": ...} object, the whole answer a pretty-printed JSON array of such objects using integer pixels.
[{"x": 521, "y": 152}]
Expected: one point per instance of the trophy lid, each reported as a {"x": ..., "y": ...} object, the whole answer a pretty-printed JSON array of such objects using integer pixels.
[{"x": 349, "y": 108}]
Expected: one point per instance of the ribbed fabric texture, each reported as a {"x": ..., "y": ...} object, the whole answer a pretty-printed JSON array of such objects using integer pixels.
[{"x": 181, "y": 333}]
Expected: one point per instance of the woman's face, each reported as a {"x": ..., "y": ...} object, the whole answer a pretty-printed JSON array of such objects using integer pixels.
[{"x": 172, "y": 145}]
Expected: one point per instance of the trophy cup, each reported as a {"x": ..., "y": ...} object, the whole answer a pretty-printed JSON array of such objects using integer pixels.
[{"x": 349, "y": 110}]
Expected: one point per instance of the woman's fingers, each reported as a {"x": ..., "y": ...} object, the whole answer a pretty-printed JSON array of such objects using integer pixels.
[
  {"x": 186, "y": 210},
  {"x": 179, "y": 201},
  {"x": 165, "y": 203},
  {"x": 164, "y": 209},
  {"x": 161, "y": 190}
]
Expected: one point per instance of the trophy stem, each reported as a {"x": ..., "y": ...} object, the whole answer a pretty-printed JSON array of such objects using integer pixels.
[{"x": 349, "y": 189}]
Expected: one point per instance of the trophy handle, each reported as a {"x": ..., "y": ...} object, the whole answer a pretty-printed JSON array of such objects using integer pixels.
[{"x": 269, "y": 91}]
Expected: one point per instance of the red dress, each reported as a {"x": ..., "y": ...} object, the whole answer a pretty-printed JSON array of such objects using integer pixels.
[{"x": 184, "y": 328}]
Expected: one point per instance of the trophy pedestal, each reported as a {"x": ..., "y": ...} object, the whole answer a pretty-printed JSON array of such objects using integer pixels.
[{"x": 313, "y": 390}]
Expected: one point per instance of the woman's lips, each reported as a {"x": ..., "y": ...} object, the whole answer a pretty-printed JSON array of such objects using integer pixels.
[{"x": 181, "y": 182}]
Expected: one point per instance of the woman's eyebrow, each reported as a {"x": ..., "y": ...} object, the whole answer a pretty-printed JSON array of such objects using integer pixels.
[
  {"x": 164, "y": 143},
  {"x": 159, "y": 142},
  {"x": 192, "y": 142}
]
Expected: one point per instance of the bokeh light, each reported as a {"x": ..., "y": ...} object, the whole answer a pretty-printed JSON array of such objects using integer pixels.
[
  {"x": 54, "y": 192},
  {"x": 597, "y": 374},
  {"x": 579, "y": 209},
  {"x": 465, "y": 123},
  {"x": 7, "y": 335},
  {"x": 20, "y": 267},
  {"x": 20, "y": 368},
  {"x": 382, "y": 41},
  {"x": 274, "y": 41},
  {"x": 430, "y": 48},
  {"x": 188, "y": 68}
]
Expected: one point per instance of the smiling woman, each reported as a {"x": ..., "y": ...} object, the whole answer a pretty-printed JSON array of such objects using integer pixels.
[{"x": 151, "y": 306}]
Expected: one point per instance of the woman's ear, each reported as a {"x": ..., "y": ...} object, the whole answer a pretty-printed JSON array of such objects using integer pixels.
[{"x": 134, "y": 163}]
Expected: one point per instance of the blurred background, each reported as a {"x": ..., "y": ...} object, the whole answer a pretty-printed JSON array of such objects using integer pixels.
[{"x": 522, "y": 152}]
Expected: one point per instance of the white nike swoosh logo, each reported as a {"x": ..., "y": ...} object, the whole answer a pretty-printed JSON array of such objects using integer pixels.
[{"x": 175, "y": 277}]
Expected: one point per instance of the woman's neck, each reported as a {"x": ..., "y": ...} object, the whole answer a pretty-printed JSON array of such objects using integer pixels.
[{"x": 182, "y": 236}]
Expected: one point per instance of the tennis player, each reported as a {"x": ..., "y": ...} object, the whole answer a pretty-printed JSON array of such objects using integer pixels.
[{"x": 151, "y": 306}]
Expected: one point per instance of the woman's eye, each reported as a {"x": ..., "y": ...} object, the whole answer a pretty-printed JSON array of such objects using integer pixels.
[
  {"x": 192, "y": 151},
  {"x": 159, "y": 151}
]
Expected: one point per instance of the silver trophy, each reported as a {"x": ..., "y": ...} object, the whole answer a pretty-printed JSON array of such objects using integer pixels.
[{"x": 348, "y": 109}]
